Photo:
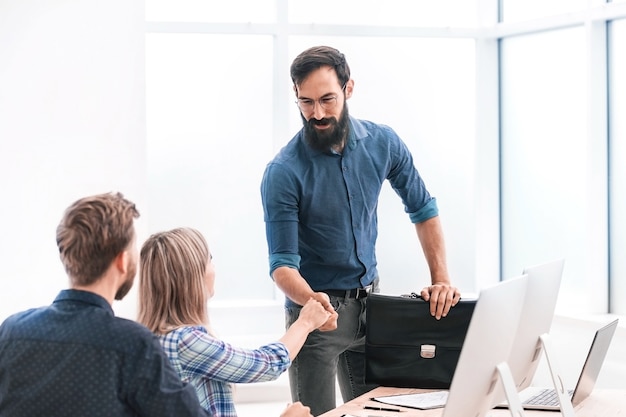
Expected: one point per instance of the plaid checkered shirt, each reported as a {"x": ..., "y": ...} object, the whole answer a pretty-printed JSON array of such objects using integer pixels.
[{"x": 213, "y": 366}]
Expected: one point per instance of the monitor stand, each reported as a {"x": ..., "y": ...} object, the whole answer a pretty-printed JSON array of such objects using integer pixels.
[
  {"x": 510, "y": 391},
  {"x": 567, "y": 409}
]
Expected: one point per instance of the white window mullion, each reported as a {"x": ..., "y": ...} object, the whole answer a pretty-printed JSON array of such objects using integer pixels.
[
  {"x": 597, "y": 163},
  {"x": 487, "y": 149}
]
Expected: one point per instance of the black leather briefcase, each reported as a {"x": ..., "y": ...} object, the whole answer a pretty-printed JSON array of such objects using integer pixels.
[{"x": 406, "y": 347}]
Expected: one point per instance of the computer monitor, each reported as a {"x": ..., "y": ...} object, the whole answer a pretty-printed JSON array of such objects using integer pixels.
[
  {"x": 544, "y": 281},
  {"x": 486, "y": 349}
]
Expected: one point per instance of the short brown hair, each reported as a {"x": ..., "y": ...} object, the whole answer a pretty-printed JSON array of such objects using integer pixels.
[
  {"x": 92, "y": 232},
  {"x": 317, "y": 57}
]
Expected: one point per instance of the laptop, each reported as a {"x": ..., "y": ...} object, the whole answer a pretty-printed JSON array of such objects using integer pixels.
[{"x": 538, "y": 398}]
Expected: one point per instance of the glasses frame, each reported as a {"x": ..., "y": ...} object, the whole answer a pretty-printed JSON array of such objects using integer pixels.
[{"x": 327, "y": 102}]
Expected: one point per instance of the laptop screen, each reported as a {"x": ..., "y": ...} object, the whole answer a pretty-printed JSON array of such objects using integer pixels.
[{"x": 593, "y": 362}]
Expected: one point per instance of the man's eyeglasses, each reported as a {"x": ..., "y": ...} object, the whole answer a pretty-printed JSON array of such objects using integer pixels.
[{"x": 307, "y": 105}]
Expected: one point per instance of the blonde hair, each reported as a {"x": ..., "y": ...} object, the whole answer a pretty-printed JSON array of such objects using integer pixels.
[{"x": 172, "y": 289}]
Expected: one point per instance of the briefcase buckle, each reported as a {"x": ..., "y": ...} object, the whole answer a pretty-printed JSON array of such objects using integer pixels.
[{"x": 428, "y": 351}]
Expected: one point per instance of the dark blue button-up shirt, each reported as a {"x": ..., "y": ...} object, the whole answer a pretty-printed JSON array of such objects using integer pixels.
[
  {"x": 75, "y": 358},
  {"x": 320, "y": 208}
]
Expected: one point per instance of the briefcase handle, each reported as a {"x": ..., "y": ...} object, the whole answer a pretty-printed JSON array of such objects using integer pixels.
[{"x": 412, "y": 295}]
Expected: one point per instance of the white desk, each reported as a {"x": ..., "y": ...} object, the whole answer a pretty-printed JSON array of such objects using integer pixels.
[{"x": 601, "y": 403}]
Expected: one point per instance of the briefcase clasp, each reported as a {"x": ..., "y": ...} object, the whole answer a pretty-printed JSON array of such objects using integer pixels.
[{"x": 428, "y": 351}]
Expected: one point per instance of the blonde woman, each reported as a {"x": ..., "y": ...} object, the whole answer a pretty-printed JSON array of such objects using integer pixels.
[{"x": 176, "y": 281}]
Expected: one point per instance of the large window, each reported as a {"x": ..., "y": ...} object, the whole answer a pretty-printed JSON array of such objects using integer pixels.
[
  {"x": 210, "y": 135},
  {"x": 544, "y": 161},
  {"x": 506, "y": 117},
  {"x": 220, "y": 105}
]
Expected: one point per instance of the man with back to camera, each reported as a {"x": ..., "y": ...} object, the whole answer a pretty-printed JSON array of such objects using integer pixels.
[{"x": 320, "y": 195}]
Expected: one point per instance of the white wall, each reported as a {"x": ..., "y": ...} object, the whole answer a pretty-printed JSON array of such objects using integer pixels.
[{"x": 72, "y": 123}]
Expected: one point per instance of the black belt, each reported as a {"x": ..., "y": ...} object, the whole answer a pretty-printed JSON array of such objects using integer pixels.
[{"x": 354, "y": 293}]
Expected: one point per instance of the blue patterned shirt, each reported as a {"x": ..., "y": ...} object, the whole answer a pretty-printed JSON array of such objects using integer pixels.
[
  {"x": 75, "y": 358},
  {"x": 321, "y": 208},
  {"x": 212, "y": 366}
]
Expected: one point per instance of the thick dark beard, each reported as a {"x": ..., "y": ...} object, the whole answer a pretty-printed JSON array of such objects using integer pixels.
[{"x": 335, "y": 135}]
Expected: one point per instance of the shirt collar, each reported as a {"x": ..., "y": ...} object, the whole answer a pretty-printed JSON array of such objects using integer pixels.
[{"x": 84, "y": 297}]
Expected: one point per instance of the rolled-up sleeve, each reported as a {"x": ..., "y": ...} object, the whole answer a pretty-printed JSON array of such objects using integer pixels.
[
  {"x": 280, "y": 207},
  {"x": 430, "y": 210}
]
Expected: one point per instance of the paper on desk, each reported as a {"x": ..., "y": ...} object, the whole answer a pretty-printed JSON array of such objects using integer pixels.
[{"x": 421, "y": 401}]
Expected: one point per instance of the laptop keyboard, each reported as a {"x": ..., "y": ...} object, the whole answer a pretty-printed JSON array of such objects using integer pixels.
[{"x": 545, "y": 397}]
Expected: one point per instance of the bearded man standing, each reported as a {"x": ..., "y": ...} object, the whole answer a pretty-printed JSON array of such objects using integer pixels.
[{"x": 320, "y": 195}]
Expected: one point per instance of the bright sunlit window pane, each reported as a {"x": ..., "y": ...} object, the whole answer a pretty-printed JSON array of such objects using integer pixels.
[
  {"x": 518, "y": 10},
  {"x": 617, "y": 155},
  {"x": 219, "y": 11},
  {"x": 544, "y": 158},
  {"x": 424, "y": 90},
  {"x": 209, "y": 129},
  {"x": 438, "y": 13}
]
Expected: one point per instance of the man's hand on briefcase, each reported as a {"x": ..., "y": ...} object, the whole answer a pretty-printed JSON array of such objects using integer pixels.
[{"x": 442, "y": 297}]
